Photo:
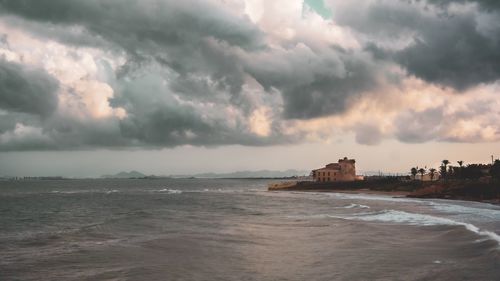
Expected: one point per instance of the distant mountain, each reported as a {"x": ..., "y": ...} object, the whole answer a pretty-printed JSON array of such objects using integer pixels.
[
  {"x": 125, "y": 175},
  {"x": 249, "y": 174},
  {"x": 239, "y": 174}
]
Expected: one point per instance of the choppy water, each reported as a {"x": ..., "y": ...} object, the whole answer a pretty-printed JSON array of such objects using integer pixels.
[{"x": 236, "y": 230}]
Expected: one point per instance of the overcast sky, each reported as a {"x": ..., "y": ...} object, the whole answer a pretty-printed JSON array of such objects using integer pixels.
[{"x": 89, "y": 87}]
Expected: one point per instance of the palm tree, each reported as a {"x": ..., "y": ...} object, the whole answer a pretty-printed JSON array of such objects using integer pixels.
[
  {"x": 460, "y": 163},
  {"x": 443, "y": 168},
  {"x": 432, "y": 172},
  {"x": 414, "y": 172},
  {"x": 422, "y": 172}
]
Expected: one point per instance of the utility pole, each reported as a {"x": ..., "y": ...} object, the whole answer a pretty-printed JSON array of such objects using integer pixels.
[{"x": 492, "y": 162}]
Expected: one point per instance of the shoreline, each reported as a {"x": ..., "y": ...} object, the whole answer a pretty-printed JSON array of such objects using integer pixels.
[
  {"x": 477, "y": 192},
  {"x": 398, "y": 194}
]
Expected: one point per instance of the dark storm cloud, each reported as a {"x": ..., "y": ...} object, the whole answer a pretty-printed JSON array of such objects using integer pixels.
[
  {"x": 451, "y": 47},
  {"x": 452, "y": 52},
  {"x": 189, "y": 43},
  {"x": 156, "y": 118},
  {"x": 129, "y": 21},
  {"x": 174, "y": 33},
  {"x": 9, "y": 120},
  {"x": 186, "y": 62},
  {"x": 485, "y": 4},
  {"x": 316, "y": 82},
  {"x": 23, "y": 89},
  {"x": 180, "y": 36},
  {"x": 328, "y": 95}
]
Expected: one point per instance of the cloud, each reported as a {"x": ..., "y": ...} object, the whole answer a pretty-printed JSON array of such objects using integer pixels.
[
  {"x": 368, "y": 134},
  {"x": 416, "y": 127},
  {"x": 449, "y": 43},
  {"x": 470, "y": 117},
  {"x": 163, "y": 73},
  {"x": 488, "y": 5},
  {"x": 28, "y": 90}
]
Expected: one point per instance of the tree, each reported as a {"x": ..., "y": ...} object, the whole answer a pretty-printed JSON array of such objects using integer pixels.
[
  {"x": 414, "y": 172},
  {"x": 473, "y": 171},
  {"x": 460, "y": 173},
  {"x": 443, "y": 168},
  {"x": 432, "y": 173},
  {"x": 451, "y": 171},
  {"x": 422, "y": 172},
  {"x": 495, "y": 170},
  {"x": 442, "y": 171}
]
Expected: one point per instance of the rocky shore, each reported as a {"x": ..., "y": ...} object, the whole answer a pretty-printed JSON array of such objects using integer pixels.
[
  {"x": 461, "y": 190},
  {"x": 469, "y": 190}
]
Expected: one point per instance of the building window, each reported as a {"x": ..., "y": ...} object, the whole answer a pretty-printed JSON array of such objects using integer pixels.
[
  {"x": 328, "y": 179},
  {"x": 328, "y": 173}
]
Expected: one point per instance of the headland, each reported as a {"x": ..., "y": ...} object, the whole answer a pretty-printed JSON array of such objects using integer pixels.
[{"x": 474, "y": 182}]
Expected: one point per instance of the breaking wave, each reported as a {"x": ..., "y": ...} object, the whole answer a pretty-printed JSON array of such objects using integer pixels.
[
  {"x": 393, "y": 216},
  {"x": 353, "y": 206},
  {"x": 83, "y": 191},
  {"x": 489, "y": 213},
  {"x": 373, "y": 197},
  {"x": 169, "y": 191}
]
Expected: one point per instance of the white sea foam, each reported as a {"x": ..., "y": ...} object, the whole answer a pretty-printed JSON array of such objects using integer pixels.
[
  {"x": 83, "y": 191},
  {"x": 373, "y": 197},
  {"x": 169, "y": 191},
  {"x": 71, "y": 191},
  {"x": 353, "y": 206},
  {"x": 394, "y": 216},
  {"x": 483, "y": 210}
]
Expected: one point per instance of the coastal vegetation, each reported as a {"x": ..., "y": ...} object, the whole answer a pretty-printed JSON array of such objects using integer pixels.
[{"x": 476, "y": 182}]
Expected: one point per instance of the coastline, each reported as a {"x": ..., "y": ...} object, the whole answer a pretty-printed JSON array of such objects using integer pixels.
[
  {"x": 483, "y": 192},
  {"x": 398, "y": 194}
]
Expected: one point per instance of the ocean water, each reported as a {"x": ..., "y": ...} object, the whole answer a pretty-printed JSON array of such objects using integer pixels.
[{"x": 193, "y": 229}]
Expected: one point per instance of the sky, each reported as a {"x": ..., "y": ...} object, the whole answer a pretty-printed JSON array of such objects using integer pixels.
[{"x": 177, "y": 87}]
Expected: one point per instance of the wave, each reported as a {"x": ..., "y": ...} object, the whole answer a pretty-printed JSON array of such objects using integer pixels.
[
  {"x": 107, "y": 191},
  {"x": 373, "y": 197},
  {"x": 169, "y": 191},
  {"x": 352, "y": 206},
  {"x": 490, "y": 212},
  {"x": 418, "y": 219}
]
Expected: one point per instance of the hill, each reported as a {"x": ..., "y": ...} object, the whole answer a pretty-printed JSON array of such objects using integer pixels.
[{"x": 125, "y": 175}]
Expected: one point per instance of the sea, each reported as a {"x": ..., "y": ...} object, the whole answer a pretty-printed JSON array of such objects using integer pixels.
[{"x": 234, "y": 229}]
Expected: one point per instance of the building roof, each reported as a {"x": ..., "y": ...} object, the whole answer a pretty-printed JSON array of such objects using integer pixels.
[
  {"x": 347, "y": 160},
  {"x": 328, "y": 169},
  {"x": 336, "y": 166}
]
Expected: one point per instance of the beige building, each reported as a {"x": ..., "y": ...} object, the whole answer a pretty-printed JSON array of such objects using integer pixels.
[{"x": 344, "y": 170}]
